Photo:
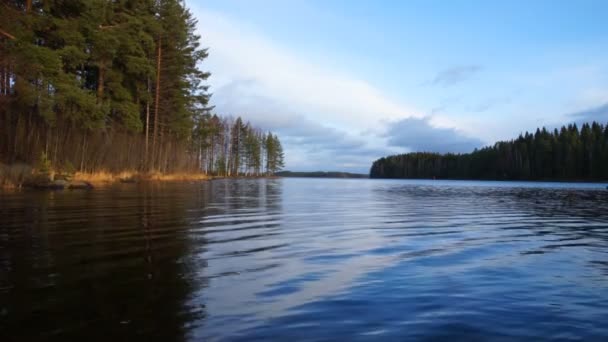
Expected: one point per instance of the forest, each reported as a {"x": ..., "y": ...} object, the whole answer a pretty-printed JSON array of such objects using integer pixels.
[
  {"x": 568, "y": 153},
  {"x": 98, "y": 85}
]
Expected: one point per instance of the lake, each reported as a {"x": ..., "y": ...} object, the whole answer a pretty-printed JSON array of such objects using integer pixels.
[{"x": 306, "y": 259}]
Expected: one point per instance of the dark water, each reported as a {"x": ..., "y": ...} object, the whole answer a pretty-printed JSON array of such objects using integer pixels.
[{"x": 306, "y": 259}]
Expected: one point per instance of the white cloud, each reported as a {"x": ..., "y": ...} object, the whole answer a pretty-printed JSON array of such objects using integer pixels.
[
  {"x": 311, "y": 144},
  {"x": 237, "y": 52}
]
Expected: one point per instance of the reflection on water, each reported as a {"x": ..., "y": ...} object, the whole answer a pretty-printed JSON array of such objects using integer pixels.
[{"x": 306, "y": 259}]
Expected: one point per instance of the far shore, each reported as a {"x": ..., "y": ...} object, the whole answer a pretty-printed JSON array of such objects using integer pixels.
[{"x": 550, "y": 180}]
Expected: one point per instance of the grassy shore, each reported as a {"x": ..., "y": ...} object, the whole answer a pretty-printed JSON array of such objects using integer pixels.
[
  {"x": 13, "y": 176},
  {"x": 21, "y": 175},
  {"x": 99, "y": 178}
]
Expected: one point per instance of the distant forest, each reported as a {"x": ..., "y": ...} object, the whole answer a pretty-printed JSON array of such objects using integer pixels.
[
  {"x": 98, "y": 85},
  {"x": 320, "y": 174},
  {"x": 568, "y": 153}
]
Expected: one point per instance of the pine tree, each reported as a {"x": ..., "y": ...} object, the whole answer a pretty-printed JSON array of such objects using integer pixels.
[{"x": 113, "y": 85}]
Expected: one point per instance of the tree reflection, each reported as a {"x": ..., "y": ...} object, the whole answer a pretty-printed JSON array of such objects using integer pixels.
[{"x": 112, "y": 263}]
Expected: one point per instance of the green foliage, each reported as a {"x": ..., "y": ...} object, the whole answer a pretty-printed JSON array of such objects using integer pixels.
[
  {"x": 68, "y": 168},
  {"x": 274, "y": 154},
  {"x": 232, "y": 148},
  {"x": 44, "y": 164},
  {"x": 84, "y": 71}
]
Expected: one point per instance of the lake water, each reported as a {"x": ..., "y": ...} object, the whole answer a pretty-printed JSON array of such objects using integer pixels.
[{"x": 306, "y": 259}]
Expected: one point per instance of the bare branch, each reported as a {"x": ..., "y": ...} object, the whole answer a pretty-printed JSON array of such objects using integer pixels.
[
  {"x": 102, "y": 27},
  {"x": 6, "y": 34}
]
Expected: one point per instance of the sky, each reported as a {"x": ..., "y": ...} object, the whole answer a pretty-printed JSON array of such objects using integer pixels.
[{"x": 344, "y": 82}]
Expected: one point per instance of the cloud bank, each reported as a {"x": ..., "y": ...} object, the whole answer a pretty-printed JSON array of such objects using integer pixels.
[
  {"x": 327, "y": 120},
  {"x": 599, "y": 114},
  {"x": 417, "y": 134},
  {"x": 311, "y": 144}
]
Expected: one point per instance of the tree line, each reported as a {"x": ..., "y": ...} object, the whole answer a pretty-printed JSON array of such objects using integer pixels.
[
  {"x": 100, "y": 85},
  {"x": 568, "y": 153},
  {"x": 228, "y": 147}
]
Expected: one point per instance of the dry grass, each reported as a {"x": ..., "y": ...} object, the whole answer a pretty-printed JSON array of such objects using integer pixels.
[
  {"x": 176, "y": 177},
  {"x": 12, "y": 176},
  {"x": 99, "y": 178},
  {"x": 103, "y": 177}
]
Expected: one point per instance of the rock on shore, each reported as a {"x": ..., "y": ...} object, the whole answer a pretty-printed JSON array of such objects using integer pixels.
[{"x": 58, "y": 184}]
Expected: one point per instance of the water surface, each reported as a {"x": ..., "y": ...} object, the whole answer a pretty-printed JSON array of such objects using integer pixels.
[{"x": 306, "y": 259}]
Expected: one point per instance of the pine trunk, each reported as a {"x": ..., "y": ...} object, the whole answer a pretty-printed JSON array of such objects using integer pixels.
[
  {"x": 100, "y": 82},
  {"x": 146, "y": 157},
  {"x": 156, "y": 99}
]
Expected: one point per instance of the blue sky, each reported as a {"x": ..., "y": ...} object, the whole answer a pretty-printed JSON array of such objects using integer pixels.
[{"x": 346, "y": 82}]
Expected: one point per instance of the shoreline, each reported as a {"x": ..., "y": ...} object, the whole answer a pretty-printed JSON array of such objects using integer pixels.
[
  {"x": 500, "y": 180},
  {"x": 22, "y": 176},
  {"x": 104, "y": 178}
]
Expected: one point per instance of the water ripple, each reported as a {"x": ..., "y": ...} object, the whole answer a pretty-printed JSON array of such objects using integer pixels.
[{"x": 306, "y": 259}]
